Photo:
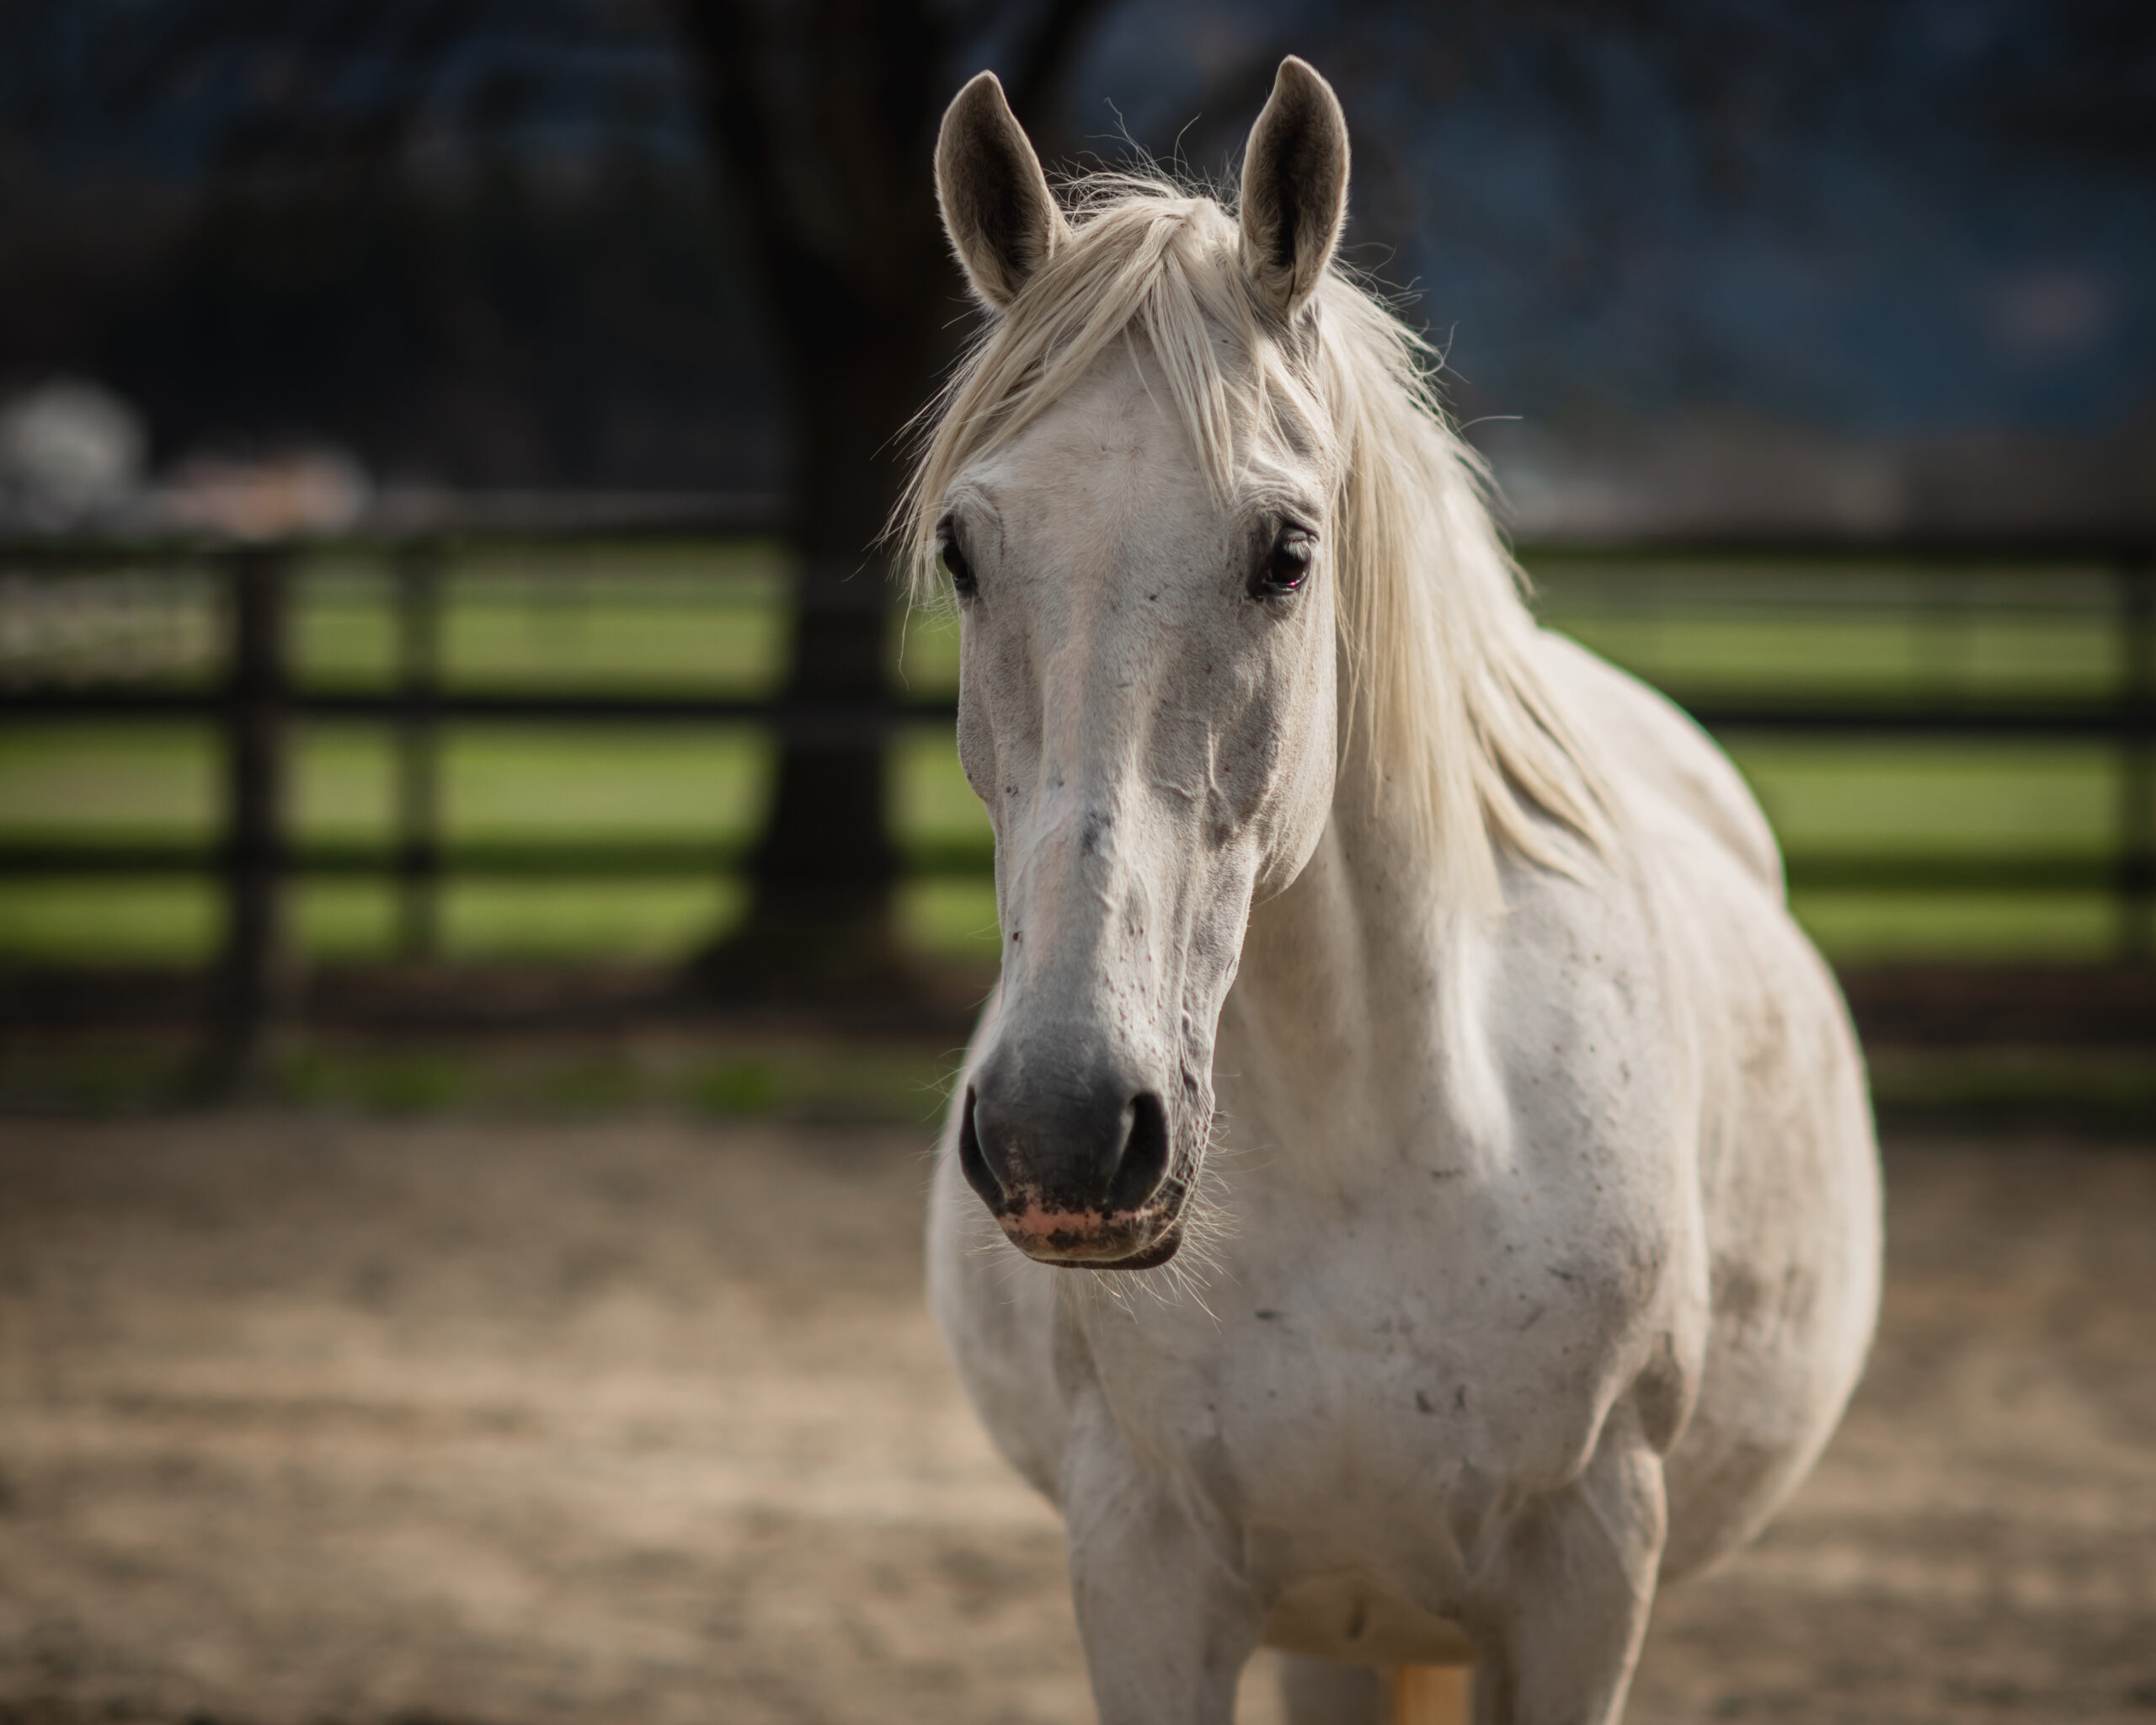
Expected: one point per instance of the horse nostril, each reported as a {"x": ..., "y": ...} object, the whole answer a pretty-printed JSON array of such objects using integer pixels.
[
  {"x": 1087, "y": 1154},
  {"x": 973, "y": 1164},
  {"x": 1144, "y": 1164}
]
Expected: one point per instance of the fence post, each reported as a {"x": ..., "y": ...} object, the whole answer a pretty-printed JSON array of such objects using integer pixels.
[
  {"x": 2137, "y": 811},
  {"x": 418, "y": 750},
  {"x": 254, "y": 971}
]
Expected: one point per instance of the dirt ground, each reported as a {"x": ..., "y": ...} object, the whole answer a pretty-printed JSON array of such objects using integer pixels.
[{"x": 306, "y": 1419}]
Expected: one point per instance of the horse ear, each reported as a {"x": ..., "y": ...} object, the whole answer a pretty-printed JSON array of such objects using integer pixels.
[
  {"x": 1002, "y": 219},
  {"x": 1294, "y": 195}
]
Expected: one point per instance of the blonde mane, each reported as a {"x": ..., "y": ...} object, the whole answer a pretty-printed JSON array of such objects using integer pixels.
[{"x": 1446, "y": 707}]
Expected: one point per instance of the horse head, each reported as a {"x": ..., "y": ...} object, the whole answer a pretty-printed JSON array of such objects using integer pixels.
[{"x": 1137, "y": 523}]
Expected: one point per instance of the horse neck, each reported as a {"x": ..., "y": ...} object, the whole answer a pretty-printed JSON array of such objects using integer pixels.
[{"x": 1337, "y": 1006}]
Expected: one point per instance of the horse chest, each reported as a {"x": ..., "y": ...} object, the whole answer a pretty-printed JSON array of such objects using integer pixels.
[
  {"x": 1338, "y": 1452},
  {"x": 1344, "y": 1404}
]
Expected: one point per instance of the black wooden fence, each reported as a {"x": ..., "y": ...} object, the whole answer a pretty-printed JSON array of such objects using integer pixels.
[{"x": 258, "y": 699}]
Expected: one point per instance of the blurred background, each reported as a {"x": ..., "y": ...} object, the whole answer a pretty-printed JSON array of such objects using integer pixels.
[
  {"x": 489, "y": 906},
  {"x": 443, "y": 445}
]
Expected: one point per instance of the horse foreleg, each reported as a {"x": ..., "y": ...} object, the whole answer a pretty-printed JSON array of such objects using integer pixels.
[
  {"x": 1578, "y": 1582},
  {"x": 1166, "y": 1623}
]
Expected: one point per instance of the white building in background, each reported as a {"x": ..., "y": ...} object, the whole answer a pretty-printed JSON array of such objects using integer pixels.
[{"x": 71, "y": 455}]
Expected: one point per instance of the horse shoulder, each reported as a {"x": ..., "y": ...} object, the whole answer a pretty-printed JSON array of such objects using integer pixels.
[
  {"x": 1784, "y": 1168},
  {"x": 1596, "y": 1224}
]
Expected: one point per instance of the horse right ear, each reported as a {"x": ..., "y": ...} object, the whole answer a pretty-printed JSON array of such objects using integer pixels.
[
  {"x": 1002, "y": 219},
  {"x": 1294, "y": 191}
]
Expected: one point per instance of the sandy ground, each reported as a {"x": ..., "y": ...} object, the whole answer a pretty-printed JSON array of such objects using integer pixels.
[{"x": 305, "y": 1419}]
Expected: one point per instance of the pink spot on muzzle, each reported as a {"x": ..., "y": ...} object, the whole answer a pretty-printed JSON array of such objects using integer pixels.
[{"x": 1040, "y": 1224}]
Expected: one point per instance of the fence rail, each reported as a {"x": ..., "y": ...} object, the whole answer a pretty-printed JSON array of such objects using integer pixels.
[
  {"x": 256, "y": 701},
  {"x": 848, "y": 721}
]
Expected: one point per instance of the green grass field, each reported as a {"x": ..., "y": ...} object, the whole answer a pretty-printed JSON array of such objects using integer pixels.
[{"x": 652, "y": 619}]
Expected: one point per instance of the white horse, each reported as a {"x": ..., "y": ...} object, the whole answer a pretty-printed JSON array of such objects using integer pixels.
[{"x": 1427, "y": 982}]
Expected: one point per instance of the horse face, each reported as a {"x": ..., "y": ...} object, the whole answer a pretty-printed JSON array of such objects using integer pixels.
[
  {"x": 1147, "y": 709},
  {"x": 1146, "y": 702}
]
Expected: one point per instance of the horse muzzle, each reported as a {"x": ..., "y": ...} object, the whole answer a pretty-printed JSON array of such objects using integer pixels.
[{"x": 1079, "y": 1175}]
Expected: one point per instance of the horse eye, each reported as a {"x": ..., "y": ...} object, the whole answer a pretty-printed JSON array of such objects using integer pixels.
[
  {"x": 954, "y": 562},
  {"x": 1287, "y": 565}
]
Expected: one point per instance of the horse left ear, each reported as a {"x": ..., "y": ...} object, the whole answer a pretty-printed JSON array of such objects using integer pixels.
[{"x": 1294, "y": 194}]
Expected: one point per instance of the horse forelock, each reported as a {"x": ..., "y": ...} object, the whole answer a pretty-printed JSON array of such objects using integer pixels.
[{"x": 1455, "y": 729}]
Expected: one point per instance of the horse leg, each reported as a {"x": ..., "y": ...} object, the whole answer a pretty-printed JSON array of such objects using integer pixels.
[
  {"x": 1578, "y": 1582},
  {"x": 1326, "y": 1692},
  {"x": 1166, "y": 1623}
]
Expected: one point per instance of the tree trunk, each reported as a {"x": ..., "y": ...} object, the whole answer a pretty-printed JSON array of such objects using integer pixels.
[
  {"x": 823, "y": 117},
  {"x": 824, "y": 120},
  {"x": 824, "y": 872}
]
